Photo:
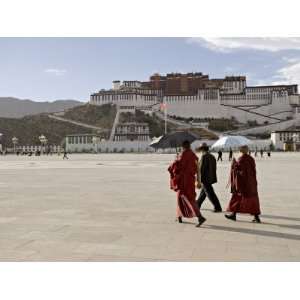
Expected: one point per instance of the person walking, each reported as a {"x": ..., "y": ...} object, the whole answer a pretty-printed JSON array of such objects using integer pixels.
[
  {"x": 65, "y": 154},
  {"x": 182, "y": 180},
  {"x": 230, "y": 154},
  {"x": 244, "y": 187},
  {"x": 220, "y": 153},
  {"x": 207, "y": 176},
  {"x": 261, "y": 153}
]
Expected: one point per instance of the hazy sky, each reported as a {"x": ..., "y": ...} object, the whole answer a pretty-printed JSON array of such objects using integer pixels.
[{"x": 46, "y": 69}]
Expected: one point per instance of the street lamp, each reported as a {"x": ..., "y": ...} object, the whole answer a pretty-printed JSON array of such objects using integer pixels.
[
  {"x": 0, "y": 142},
  {"x": 15, "y": 141},
  {"x": 295, "y": 140},
  {"x": 43, "y": 141}
]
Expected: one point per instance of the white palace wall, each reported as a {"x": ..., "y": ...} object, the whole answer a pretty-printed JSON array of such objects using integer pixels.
[
  {"x": 199, "y": 108},
  {"x": 196, "y": 109},
  {"x": 125, "y": 100},
  {"x": 204, "y": 105}
]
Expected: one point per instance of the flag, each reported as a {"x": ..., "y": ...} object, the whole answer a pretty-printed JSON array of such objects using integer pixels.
[{"x": 163, "y": 106}]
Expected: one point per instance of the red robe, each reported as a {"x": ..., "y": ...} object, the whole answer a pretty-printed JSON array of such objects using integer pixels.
[
  {"x": 182, "y": 180},
  {"x": 244, "y": 186}
]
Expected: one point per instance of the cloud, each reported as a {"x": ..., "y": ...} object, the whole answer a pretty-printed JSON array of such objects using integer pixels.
[
  {"x": 244, "y": 43},
  {"x": 289, "y": 74},
  {"x": 56, "y": 72}
]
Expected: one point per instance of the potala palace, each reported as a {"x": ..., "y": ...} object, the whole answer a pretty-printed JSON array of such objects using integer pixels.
[{"x": 196, "y": 95}]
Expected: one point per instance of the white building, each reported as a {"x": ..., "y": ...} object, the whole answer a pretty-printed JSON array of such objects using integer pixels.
[
  {"x": 132, "y": 131},
  {"x": 81, "y": 143},
  {"x": 217, "y": 98},
  {"x": 282, "y": 137},
  {"x": 78, "y": 143}
]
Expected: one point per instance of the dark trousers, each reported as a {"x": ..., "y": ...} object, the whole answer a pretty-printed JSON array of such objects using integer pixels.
[{"x": 208, "y": 191}]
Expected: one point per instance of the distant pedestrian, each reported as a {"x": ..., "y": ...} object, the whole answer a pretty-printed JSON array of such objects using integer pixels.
[
  {"x": 244, "y": 187},
  {"x": 230, "y": 154},
  {"x": 65, "y": 154},
  {"x": 255, "y": 153},
  {"x": 220, "y": 153},
  {"x": 207, "y": 176},
  {"x": 261, "y": 153}
]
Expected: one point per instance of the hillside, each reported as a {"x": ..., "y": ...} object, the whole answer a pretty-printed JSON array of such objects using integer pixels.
[
  {"x": 16, "y": 108},
  {"x": 28, "y": 129},
  {"x": 101, "y": 116}
]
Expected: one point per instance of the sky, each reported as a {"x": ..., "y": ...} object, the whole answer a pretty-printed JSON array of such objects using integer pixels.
[{"x": 48, "y": 69}]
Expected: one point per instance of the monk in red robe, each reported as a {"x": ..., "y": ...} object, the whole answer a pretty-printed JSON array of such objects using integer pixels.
[
  {"x": 183, "y": 178},
  {"x": 244, "y": 187}
]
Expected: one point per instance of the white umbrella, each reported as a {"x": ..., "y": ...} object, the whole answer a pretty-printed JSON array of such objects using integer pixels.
[
  {"x": 155, "y": 140},
  {"x": 231, "y": 141}
]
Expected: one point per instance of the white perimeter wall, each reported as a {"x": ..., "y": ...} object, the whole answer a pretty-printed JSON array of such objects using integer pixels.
[
  {"x": 197, "y": 107},
  {"x": 112, "y": 146},
  {"x": 280, "y": 107}
]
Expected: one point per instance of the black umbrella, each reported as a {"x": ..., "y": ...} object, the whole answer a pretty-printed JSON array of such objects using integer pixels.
[{"x": 173, "y": 140}]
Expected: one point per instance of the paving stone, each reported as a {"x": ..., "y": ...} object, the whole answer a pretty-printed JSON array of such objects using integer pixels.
[{"x": 118, "y": 207}]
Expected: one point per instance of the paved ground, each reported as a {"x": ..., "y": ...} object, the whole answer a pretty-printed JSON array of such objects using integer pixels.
[{"x": 113, "y": 207}]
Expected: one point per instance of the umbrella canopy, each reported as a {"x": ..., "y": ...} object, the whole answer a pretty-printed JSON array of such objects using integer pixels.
[
  {"x": 173, "y": 140},
  {"x": 231, "y": 141}
]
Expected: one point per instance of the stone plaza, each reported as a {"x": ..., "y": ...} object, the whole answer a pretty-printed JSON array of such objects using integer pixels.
[{"x": 118, "y": 207}]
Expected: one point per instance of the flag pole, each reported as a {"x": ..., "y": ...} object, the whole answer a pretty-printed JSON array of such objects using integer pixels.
[{"x": 165, "y": 110}]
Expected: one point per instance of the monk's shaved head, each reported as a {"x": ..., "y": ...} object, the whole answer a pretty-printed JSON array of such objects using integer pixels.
[
  {"x": 186, "y": 145},
  {"x": 244, "y": 149}
]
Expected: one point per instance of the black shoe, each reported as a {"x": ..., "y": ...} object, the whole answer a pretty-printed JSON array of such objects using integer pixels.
[
  {"x": 231, "y": 217},
  {"x": 179, "y": 220},
  {"x": 201, "y": 220},
  {"x": 217, "y": 210},
  {"x": 256, "y": 219}
]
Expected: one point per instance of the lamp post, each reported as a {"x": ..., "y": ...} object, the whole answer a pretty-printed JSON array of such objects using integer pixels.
[
  {"x": 15, "y": 141},
  {"x": 163, "y": 106},
  {"x": 1, "y": 142},
  {"x": 46, "y": 146},
  {"x": 295, "y": 140},
  {"x": 43, "y": 141}
]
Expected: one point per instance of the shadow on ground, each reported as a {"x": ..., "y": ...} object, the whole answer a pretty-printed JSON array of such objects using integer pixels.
[{"x": 256, "y": 232}]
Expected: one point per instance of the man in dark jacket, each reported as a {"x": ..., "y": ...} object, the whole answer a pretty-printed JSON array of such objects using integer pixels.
[{"x": 207, "y": 176}]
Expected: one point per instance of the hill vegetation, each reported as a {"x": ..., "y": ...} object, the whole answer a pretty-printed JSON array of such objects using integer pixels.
[
  {"x": 28, "y": 129},
  {"x": 101, "y": 116}
]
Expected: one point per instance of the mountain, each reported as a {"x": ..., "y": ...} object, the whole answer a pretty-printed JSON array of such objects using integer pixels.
[{"x": 16, "y": 108}]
